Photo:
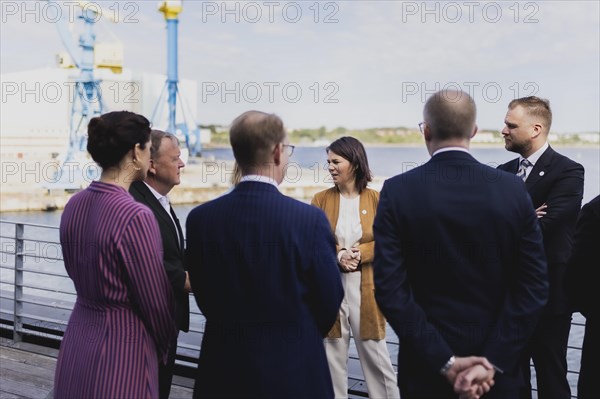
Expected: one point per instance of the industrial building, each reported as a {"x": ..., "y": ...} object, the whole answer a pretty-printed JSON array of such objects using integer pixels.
[{"x": 36, "y": 106}]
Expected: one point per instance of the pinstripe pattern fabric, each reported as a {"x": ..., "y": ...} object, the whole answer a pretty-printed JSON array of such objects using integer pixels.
[
  {"x": 263, "y": 271},
  {"x": 123, "y": 320}
]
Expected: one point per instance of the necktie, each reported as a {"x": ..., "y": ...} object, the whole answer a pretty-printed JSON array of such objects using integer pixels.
[{"x": 522, "y": 172}]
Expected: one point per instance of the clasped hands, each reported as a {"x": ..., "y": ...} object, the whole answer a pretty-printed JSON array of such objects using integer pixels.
[
  {"x": 350, "y": 259},
  {"x": 471, "y": 376}
]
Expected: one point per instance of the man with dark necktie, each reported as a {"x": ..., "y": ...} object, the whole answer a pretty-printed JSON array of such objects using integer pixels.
[
  {"x": 555, "y": 184},
  {"x": 163, "y": 175}
]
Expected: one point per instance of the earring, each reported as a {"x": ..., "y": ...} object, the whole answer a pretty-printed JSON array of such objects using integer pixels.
[{"x": 137, "y": 168}]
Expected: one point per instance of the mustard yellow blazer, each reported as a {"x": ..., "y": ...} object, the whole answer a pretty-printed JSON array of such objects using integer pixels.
[{"x": 372, "y": 322}]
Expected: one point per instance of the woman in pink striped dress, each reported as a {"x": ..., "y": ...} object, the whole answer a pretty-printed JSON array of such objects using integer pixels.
[{"x": 123, "y": 318}]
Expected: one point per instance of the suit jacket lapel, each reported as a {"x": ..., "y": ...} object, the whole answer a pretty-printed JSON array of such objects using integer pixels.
[
  {"x": 179, "y": 231},
  {"x": 158, "y": 209},
  {"x": 513, "y": 166},
  {"x": 540, "y": 169}
]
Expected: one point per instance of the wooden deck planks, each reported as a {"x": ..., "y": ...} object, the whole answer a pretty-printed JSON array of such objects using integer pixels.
[{"x": 27, "y": 372}]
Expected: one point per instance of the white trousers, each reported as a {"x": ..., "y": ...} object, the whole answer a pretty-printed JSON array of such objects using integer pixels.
[{"x": 373, "y": 355}]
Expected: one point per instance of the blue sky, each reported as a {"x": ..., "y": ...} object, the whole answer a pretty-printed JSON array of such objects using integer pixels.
[{"x": 349, "y": 63}]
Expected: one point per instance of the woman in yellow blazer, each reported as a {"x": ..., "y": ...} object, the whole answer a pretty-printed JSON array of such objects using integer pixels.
[{"x": 350, "y": 208}]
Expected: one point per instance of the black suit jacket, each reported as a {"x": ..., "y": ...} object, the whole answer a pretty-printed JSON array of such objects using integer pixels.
[
  {"x": 582, "y": 284},
  {"x": 459, "y": 269},
  {"x": 264, "y": 273},
  {"x": 173, "y": 250},
  {"x": 556, "y": 181}
]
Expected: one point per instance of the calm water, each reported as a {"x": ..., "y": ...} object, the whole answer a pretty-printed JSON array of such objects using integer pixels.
[{"x": 384, "y": 162}]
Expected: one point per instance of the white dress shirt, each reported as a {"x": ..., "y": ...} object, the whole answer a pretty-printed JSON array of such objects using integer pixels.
[
  {"x": 348, "y": 230},
  {"x": 533, "y": 158},
  {"x": 166, "y": 204}
]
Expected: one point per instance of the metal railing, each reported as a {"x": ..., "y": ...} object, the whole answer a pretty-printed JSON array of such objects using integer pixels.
[{"x": 37, "y": 297}]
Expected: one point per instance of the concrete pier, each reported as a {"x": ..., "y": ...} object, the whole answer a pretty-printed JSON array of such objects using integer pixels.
[{"x": 25, "y": 188}]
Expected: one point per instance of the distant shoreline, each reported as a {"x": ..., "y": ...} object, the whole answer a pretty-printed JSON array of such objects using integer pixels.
[{"x": 419, "y": 145}]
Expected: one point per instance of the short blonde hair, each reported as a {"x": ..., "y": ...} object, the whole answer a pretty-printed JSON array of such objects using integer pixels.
[
  {"x": 253, "y": 135},
  {"x": 536, "y": 107}
]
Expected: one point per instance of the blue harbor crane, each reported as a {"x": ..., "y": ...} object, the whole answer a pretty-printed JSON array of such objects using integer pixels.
[
  {"x": 86, "y": 101},
  {"x": 171, "y": 10}
]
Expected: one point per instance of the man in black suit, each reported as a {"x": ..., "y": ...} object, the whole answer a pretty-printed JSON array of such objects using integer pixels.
[
  {"x": 163, "y": 175},
  {"x": 459, "y": 264},
  {"x": 582, "y": 288},
  {"x": 264, "y": 273},
  {"x": 555, "y": 184}
]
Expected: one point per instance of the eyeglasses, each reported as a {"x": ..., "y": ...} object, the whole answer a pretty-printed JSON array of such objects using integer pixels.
[
  {"x": 290, "y": 151},
  {"x": 421, "y": 126}
]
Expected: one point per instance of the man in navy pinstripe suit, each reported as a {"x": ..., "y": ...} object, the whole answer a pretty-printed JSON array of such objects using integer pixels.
[{"x": 264, "y": 273}]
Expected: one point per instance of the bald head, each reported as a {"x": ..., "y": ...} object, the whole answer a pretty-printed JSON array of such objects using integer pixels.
[
  {"x": 253, "y": 135},
  {"x": 450, "y": 115}
]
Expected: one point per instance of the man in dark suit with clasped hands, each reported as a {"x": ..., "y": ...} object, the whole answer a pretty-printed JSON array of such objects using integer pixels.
[
  {"x": 460, "y": 272},
  {"x": 264, "y": 272},
  {"x": 163, "y": 175},
  {"x": 555, "y": 184}
]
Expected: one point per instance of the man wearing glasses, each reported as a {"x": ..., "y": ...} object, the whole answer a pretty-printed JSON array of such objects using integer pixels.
[
  {"x": 264, "y": 273},
  {"x": 459, "y": 269}
]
